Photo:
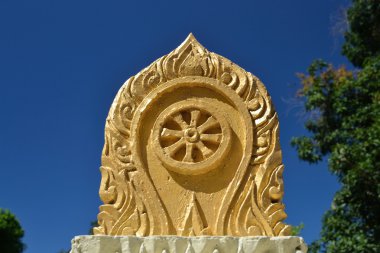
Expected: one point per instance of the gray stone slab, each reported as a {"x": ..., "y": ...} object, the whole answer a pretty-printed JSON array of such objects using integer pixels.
[{"x": 179, "y": 244}]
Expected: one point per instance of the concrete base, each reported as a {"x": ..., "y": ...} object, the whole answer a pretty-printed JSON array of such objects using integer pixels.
[{"x": 178, "y": 244}]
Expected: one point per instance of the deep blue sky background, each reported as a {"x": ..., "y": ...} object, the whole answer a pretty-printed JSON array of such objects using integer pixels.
[{"x": 62, "y": 62}]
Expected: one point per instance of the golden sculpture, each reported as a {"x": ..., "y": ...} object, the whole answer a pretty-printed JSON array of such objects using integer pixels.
[{"x": 192, "y": 148}]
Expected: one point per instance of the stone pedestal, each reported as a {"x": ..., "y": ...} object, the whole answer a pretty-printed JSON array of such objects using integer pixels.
[{"x": 179, "y": 244}]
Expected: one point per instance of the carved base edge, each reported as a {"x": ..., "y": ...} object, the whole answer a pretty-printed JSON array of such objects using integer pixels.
[{"x": 179, "y": 244}]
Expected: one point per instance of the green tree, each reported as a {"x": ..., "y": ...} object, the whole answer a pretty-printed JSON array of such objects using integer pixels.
[
  {"x": 10, "y": 233},
  {"x": 362, "y": 40},
  {"x": 296, "y": 230},
  {"x": 344, "y": 125}
]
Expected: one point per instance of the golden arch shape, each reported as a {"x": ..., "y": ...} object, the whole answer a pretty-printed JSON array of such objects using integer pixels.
[{"x": 192, "y": 148}]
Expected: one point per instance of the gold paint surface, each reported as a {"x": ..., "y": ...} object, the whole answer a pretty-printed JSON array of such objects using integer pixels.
[{"x": 192, "y": 148}]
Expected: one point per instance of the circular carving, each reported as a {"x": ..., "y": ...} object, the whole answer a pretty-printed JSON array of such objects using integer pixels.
[{"x": 191, "y": 137}]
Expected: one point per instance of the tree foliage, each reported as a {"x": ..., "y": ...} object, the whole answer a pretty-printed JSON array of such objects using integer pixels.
[
  {"x": 296, "y": 230},
  {"x": 344, "y": 124},
  {"x": 363, "y": 36},
  {"x": 10, "y": 233}
]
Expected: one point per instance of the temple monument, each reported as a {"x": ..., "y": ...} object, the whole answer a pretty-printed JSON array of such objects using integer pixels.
[{"x": 191, "y": 162}]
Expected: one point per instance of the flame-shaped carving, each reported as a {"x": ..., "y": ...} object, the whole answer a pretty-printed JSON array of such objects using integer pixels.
[{"x": 240, "y": 196}]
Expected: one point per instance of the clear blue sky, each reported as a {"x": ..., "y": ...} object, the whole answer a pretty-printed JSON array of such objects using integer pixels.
[{"x": 62, "y": 62}]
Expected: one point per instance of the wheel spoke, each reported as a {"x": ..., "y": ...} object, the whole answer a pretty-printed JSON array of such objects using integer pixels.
[
  {"x": 214, "y": 138},
  {"x": 206, "y": 152},
  {"x": 189, "y": 152},
  {"x": 172, "y": 149},
  {"x": 194, "y": 117},
  {"x": 180, "y": 121},
  {"x": 210, "y": 122},
  {"x": 170, "y": 133}
]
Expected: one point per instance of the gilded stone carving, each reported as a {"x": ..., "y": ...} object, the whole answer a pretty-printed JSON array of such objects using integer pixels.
[{"x": 192, "y": 148}]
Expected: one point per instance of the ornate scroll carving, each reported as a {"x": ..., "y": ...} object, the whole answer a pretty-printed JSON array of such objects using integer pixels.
[{"x": 192, "y": 148}]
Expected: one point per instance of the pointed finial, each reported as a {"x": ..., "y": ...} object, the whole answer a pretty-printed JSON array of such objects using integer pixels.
[{"x": 190, "y": 39}]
